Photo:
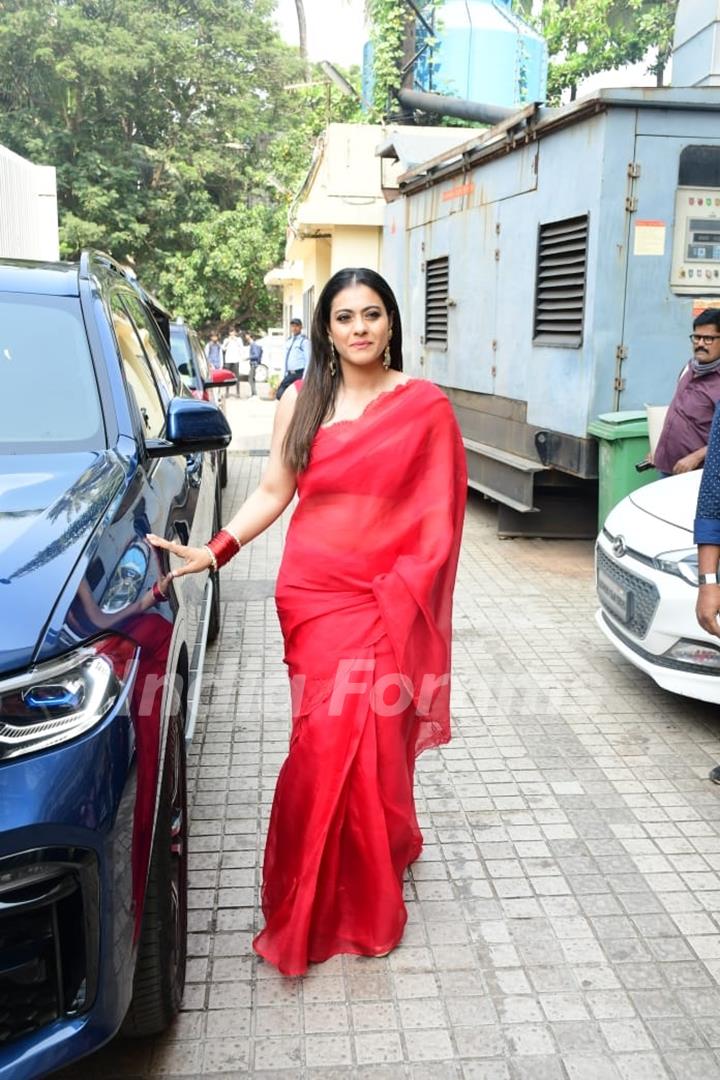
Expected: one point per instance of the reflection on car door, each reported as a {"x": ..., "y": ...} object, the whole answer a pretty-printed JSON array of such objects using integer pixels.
[{"x": 175, "y": 480}]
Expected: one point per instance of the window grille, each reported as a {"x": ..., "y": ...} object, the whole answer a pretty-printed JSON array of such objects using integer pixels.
[
  {"x": 560, "y": 282},
  {"x": 437, "y": 277}
]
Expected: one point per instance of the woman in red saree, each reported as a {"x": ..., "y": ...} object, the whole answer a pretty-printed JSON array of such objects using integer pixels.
[{"x": 364, "y": 596}]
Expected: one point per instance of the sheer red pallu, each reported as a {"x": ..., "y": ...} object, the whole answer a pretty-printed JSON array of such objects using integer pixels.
[{"x": 364, "y": 596}]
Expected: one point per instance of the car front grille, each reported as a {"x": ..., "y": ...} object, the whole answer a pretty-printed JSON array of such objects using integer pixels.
[
  {"x": 642, "y": 595},
  {"x": 49, "y": 938}
]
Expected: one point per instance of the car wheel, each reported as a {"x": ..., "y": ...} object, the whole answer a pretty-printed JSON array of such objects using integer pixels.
[
  {"x": 214, "y": 620},
  {"x": 160, "y": 969},
  {"x": 223, "y": 468}
]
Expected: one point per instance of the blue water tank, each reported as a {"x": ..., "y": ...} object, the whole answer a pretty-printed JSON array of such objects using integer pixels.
[
  {"x": 487, "y": 53},
  {"x": 483, "y": 51}
]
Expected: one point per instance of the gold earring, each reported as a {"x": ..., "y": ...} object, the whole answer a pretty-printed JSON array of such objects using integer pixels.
[
  {"x": 333, "y": 354},
  {"x": 387, "y": 359}
]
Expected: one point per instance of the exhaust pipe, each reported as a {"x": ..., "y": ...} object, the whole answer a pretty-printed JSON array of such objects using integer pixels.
[{"x": 459, "y": 107}]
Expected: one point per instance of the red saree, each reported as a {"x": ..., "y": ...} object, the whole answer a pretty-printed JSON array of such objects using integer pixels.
[{"x": 364, "y": 596}]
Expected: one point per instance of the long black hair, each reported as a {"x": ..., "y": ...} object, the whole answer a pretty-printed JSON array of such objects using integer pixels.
[{"x": 316, "y": 403}]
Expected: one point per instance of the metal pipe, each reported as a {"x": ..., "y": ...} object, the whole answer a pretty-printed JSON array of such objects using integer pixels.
[{"x": 449, "y": 106}]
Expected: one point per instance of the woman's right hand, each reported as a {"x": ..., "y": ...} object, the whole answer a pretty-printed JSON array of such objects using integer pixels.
[{"x": 195, "y": 559}]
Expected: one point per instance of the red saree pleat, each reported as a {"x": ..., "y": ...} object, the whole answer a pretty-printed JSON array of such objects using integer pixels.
[
  {"x": 364, "y": 598},
  {"x": 342, "y": 832}
]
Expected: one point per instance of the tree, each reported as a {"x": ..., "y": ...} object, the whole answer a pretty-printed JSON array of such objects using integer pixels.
[
  {"x": 656, "y": 24},
  {"x": 220, "y": 272},
  {"x": 176, "y": 142},
  {"x": 588, "y": 36}
]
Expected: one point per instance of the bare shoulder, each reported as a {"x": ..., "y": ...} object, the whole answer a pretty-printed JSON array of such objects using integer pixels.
[{"x": 286, "y": 405}]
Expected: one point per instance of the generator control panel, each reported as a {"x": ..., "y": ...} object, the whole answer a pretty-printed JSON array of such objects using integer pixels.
[{"x": 696, "y": 243}]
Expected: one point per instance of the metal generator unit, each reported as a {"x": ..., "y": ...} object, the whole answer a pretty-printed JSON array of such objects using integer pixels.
[{"x": 548, "y": 271}]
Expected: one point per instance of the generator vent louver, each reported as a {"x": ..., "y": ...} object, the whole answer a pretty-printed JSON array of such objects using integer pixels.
[
  {"x": 560, "y": 283},
  {"x": 437, "y": 279}
]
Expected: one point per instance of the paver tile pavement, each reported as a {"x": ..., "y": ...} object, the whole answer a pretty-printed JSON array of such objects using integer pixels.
[{"x": 564, "y": 916}]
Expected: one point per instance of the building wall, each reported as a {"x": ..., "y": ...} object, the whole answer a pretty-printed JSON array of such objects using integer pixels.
[
  {"x": 316, "y": 270},
  {"x": 356, "y": 247},
  {"x": 292, "y": 302},
  {"x": 338, "y": 222},
  {"x": 28, "y": 209}
]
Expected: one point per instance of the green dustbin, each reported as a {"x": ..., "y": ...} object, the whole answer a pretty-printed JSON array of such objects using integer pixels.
[{"x": 623, "y": 439}]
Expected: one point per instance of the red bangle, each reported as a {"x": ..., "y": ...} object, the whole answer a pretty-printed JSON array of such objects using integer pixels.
[
  {"x": 158, "y": 594},
  {"x": 224, "y": 547}
]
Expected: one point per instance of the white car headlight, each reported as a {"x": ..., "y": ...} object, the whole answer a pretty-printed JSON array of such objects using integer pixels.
[
  {"x": 683, "y": 564},
  {"x": 54, "y": 702}
]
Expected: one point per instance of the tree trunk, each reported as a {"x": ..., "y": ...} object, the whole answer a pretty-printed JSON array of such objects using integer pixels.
[{"x": 302, "y": 28}]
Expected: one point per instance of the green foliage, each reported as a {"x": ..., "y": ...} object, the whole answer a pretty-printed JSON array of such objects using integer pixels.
[
  {"x": 656, "y": 25},
  {"x": 588, "y": 36},
  {"x": 391, "y": 21},
  {"x": 219, "y": 273},
  {"x": 176, "y": 142}
]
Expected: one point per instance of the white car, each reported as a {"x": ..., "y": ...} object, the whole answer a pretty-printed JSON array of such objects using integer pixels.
[{"x": 646, "y": 577}]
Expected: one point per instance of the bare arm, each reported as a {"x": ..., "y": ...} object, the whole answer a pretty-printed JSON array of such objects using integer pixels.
[
  {"x": 277, "y": 487},
  {"x": 266, "y": 503},
  {"x": 708, "y": 601}
]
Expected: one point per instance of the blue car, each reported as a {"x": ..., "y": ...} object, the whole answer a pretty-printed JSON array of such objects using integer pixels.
[{"x": 101, "y": 656}]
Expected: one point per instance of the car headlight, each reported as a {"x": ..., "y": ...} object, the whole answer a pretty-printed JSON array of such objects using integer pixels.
[
  {"x": 683, "y": 564},
  {"x": 127, "y": 580},
  {"x": 57, "y": 701}
]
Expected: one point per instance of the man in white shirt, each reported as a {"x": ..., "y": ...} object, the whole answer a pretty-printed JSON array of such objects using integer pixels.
[
  {"x": 297, "y": 356},
  {"x": 236, "y": 356}
]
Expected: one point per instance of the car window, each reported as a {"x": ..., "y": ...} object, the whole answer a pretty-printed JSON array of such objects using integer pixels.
[
  {"x": 49, "y": 398},
  {"x": 154, "y": 345},
  {"x": 201, "y": 359},
  {"x": 180, "y": 349},
  {"x": 137, "y": 369}
]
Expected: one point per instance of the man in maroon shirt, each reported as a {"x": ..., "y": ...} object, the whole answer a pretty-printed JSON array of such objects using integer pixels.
[{"x": 683, "y": 442}]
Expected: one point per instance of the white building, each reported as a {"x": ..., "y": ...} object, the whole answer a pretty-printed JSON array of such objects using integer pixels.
[
  {"x": 28, "y": 209},
  {"x": 337, "y": 217}
]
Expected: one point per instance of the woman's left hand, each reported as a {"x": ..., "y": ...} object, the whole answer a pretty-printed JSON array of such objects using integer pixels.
[{"x": 195, "y": 559}]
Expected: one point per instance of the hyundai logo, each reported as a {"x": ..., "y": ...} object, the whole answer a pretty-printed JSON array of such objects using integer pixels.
[{"x": 618, "y": 547}]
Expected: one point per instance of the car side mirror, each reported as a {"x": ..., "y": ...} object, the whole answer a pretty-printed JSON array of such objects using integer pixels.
[
  {"x": 192, "y": 426},
  {"x": 220, "y": 377}
]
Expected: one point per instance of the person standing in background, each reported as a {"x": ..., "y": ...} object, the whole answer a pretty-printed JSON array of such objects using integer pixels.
[
  {"x": 214, "y": 352},
  {"x": 683, "y": 443},
  {"x": 235, "y": 351},
  {"x": 256, "y": 355},
  {"x": 706, "y": 534},
  {"x": 297, "y": 356}
]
